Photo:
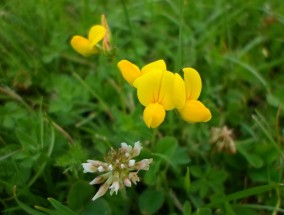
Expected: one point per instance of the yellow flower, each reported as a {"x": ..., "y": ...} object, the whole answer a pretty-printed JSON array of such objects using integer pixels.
[
  {"x": 89, "y": 46},
  {"x": 158, "y": 90},
  {"x": 193, "y": 110}
]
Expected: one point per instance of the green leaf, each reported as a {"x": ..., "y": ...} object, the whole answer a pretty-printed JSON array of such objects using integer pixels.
[
  {"x": 9, "y": 154},
  {"x": 180, "y": 156},
  {"x": 166, "y": 146},
  {"x": 60, "y": 208},
  {"x": 238, "y": 209},
  {"x": 203, "y": 211},
  {"x": 100, "y": 207},
  {"x": 150, "y": 201},
  {"x": 46, "y": 210},
  {"x": 253, "y": 159},
  {"x": 186, "y": 209},
  {"x": 25, "y": 207},
  {"x": 187, "y": 180},
  {"x": 245, "y": 193},
  {"x": 28, "y": 142},
  {"x": 80, "y": 189},
  {"x": 150, "y": 177}
]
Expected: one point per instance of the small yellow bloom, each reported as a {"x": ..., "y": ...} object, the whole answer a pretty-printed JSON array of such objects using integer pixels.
[
  {"x": 89, "y": 46},
  {"x": 159, "y": 91},
  {"x": 193, "y": 110}
]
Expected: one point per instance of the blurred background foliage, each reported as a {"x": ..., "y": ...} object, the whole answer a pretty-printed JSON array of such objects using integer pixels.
[{"x": 58, "y": 109}]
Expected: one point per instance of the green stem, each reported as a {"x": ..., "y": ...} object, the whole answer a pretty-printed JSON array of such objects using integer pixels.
[
  {"x": 15, "y": 96},
  {"x": 130, "y": 29},
  {"x": 51, "y": 146},
  {"x": 101, "y": 101},
  {"x": 179, "y": 58}
]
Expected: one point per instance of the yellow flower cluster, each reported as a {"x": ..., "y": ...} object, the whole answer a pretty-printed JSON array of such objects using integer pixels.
[{"x": 159, "y": 90}]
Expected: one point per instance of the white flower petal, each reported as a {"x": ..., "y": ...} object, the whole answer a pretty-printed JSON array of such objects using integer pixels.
[
  {"x": 126, "y": 148},
  {"x": 143, "y": 164},
  {"x": 101, "y": 169},
  {"x": 110, "y": 168},
  {"x": 98, "y": 180},
  {"x": 134, "y": 177},
  {"x": 88, "y": 167},
  {"x": 127, "y": 182},
  {"x": 114, "y": 187},
  {"x": 131, "y": 163},
  {"x": 101, "y": 191},
  {"x": 137, "y": 148}
]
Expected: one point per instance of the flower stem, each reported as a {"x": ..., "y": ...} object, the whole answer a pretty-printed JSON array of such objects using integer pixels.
[{"x": 179, "y": 58}]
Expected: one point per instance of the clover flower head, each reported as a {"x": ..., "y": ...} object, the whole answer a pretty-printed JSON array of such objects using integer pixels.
[
  {"x": 222, "y": 139},
  {"x": 118, "y": 170}
]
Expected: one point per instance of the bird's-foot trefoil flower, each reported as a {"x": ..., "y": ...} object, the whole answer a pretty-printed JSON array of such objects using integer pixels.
[
  {"x": 90, "y": 45},
  {"x": 118, "y": 170},
  {"x": 158, "y": 90},
  {"x": 193, "y": 110}
]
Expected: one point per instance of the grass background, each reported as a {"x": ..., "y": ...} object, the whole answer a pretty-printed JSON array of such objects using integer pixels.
[{"x": 58, "y": 109}]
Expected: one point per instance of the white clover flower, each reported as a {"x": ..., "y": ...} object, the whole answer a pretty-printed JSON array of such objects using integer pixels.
[{"x": 118, "y": 170}]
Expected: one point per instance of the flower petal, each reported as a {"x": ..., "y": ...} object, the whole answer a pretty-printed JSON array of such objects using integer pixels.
[
  {"x": 96, "y": 33},
  {"x": 165, "y": 95},
  {"x": 127, "y": 148},
  {"x": 156, "y": 65},
  {"x": 148, "y": 87},
  {"x": 193, "y": 83},
  {"x": 195, "y": 111},
  {"x": 82, "y": 46},
  {"x": 103, "y": 189},
  {"x": 143, "y": 164},
  {"x": 156, "y": 87},
  {"x": 137, "y": 148},
  {"x": 154, "y": 114},
  {"x": 129, "y": 71},
  {"x": 88, "y": 167},
  {"x": 179, "y": 94}
]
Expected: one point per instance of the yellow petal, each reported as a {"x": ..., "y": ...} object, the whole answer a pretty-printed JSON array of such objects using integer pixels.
[
  {"x": 96, "y": 33},
  {"x": 156, "y": 65},
  {"x": 195, "y": 111},
  {"x": 148, "y": 87},
  {"x": 193, "y": 83},
  {"x": 179, "y": 94},
  {"x": 157, "y": 86},
  {"x": 129, "y": 71},
  {"x": 154, "y": 114},
  {"x": 82, "y": 46},
  {"x": 165, "y": 95}
]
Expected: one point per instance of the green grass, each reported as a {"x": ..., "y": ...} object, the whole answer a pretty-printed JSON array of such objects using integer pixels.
[{"x": 58, "y": 109}]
